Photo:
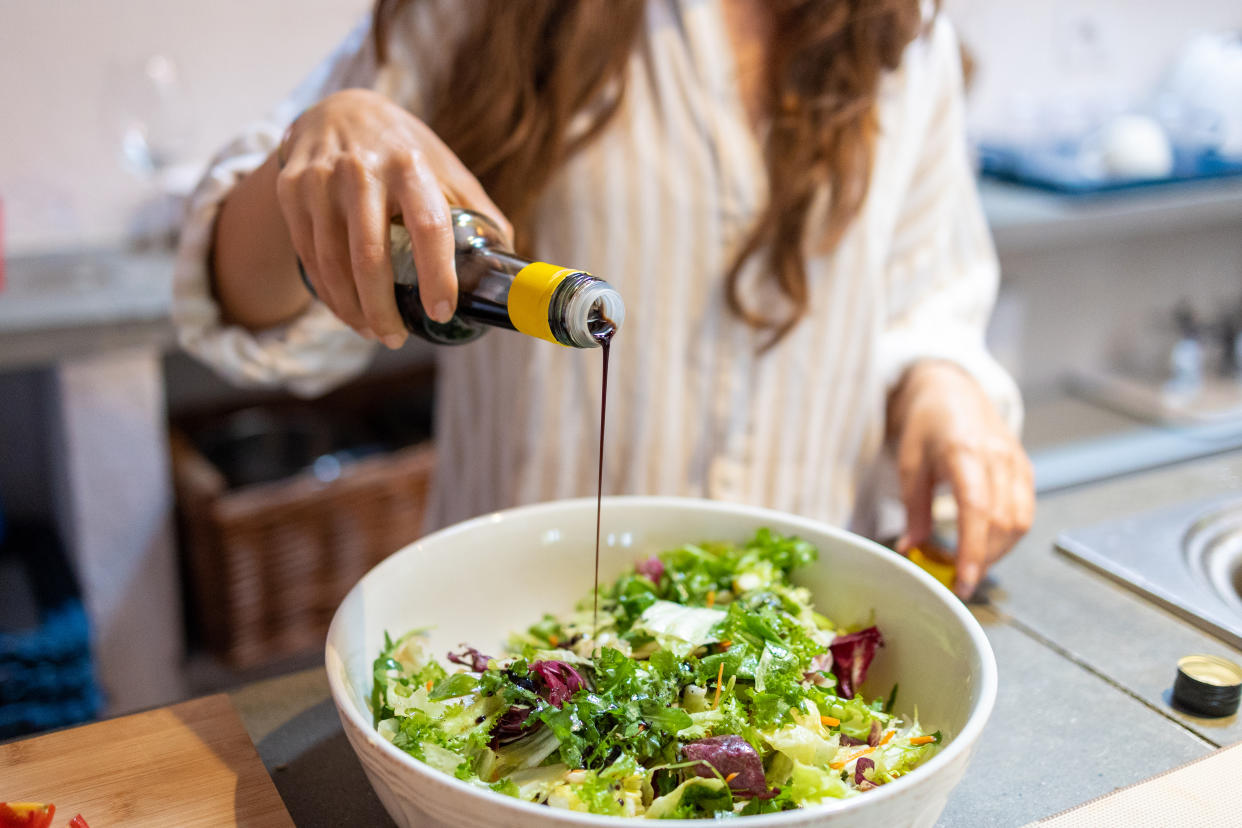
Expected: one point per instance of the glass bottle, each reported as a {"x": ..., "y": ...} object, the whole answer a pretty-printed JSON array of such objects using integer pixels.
[{"x": 497, "y": 288}]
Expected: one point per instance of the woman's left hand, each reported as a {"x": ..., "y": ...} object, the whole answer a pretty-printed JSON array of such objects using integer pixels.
[{"x": 946, "y": 429}]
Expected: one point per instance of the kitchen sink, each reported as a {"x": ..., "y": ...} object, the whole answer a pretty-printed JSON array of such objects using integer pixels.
[
  {"x": 1187, "y": 558},
  {"x": 1213, "y": 547}
]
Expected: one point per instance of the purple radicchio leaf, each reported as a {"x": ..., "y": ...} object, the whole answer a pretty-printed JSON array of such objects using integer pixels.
[
  {"x": 850, "y": 741},
  {"x": 652, "y": 568},
  {"x": 470, "y": 657},
  {"x": 512, "y": 726},
  {"x": 863, "y": 765},
  {"x": 730, "y": 755},
  {"x": 873, "y": 738},
  {"x": 557, "y": 681},
  {"x": 852, "y": 656},
  {"x": 819, "y": 665}
]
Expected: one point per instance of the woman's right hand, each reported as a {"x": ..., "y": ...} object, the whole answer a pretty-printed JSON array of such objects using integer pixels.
[{"x": 350, "y": 164}]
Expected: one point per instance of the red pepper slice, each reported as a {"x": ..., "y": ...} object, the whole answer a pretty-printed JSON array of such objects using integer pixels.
[
  {"x": 78, "y": 822},
  {"x": 26, "y": 814}
]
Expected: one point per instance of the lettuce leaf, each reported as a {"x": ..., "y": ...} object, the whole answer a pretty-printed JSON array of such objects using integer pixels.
[
  {"x": 696, "y": 797},
  {"x": 680, "y": 629},
  {"x": 810, "y": 785}
]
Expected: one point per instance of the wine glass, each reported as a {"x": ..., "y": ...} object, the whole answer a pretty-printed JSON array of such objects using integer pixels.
[
  {"x": 152, "y": 116},
  {"x": 152, "y": 113}
]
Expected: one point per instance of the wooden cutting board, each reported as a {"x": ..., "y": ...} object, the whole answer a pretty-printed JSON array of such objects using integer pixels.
[{"x": 189, "y": 765}]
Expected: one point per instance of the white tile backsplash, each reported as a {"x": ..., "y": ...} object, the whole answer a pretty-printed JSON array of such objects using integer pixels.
[{"x": 63, "y": 71}]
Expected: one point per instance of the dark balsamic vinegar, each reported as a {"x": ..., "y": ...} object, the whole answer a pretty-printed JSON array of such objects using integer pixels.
[{"x": 604, "y": 337}]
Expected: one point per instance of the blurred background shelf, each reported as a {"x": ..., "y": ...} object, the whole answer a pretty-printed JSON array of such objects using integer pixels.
[{"x": 1024, "y": 218}]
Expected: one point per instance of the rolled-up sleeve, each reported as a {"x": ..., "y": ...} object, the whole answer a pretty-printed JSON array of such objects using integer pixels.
[
  {"x": 942, "y": 269},
  {"x": 315, "y": 351}
]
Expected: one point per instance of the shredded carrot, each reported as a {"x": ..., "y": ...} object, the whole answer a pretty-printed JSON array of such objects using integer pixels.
[
  {"x": 887, "y": 736},
  {"x": 850, "y": 758},
  {"x": 731, "y": 777},
  {"x": 553, "y": 640},
  {"x": 829, "y": 721},
  {"x": 641, "y": 728},
  {"x": 719, "y": 680},
  {"x": 922, "y": 740},
  {"x": 429, "y": 683},
  {"x": 711, "y": 598},
  {"x": 725, "y": 645}
]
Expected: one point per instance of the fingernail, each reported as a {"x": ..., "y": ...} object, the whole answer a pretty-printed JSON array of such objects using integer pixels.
[
  {"x": 967, "y": 580},
  {"x": 394, "y": 341},
  {"x": 443, "y": 311}
]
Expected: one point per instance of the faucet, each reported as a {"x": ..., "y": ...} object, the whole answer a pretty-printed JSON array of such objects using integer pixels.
[{"x": 1186, "y": 357}]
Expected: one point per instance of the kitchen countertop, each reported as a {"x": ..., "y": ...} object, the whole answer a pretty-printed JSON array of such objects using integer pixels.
[
  {"x": 1073, "y": 441},
  {"x": 82, "y": 302},
  {"x": 1085, "y": 671}
]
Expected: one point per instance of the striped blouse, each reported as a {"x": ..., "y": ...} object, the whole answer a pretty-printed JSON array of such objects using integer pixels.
[{"x": 659, "y": 205}]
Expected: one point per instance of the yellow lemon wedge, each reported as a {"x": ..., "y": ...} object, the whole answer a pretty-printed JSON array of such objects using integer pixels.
[{"x": 936, "y": 567}]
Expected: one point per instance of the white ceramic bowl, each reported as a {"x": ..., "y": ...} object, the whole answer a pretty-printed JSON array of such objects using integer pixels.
[{"x": 478, "y": 580}]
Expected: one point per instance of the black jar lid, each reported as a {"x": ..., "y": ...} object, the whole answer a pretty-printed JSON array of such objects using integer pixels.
[{"x": 1208, "y": 685}]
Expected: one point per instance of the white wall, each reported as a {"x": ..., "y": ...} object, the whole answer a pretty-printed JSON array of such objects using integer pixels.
[
  {"x": 62, "y": 68},
  {"x": 1059, "y": 56},
  {"x": 63, "y": 65},
  {"x": 1083, "y": 304}
]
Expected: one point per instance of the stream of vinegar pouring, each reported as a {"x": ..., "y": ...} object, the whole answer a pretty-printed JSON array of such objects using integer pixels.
[{"x": 604, "y": 337}]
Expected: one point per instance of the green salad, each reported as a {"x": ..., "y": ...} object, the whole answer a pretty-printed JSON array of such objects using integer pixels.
[{"x": 710, "y": 688}]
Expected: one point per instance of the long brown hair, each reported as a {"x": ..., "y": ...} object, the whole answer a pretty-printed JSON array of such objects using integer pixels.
[{"x": 532, "y": 66}]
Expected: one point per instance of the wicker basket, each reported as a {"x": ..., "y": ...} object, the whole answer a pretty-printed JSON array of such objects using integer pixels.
[{"x": 270, "y": 562}]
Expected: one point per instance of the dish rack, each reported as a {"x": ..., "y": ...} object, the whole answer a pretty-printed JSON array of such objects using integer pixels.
[{"x": 269, "y": 562}]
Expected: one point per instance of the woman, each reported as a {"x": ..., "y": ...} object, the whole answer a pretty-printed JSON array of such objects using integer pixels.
[{"x": 780, "y": 191}]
